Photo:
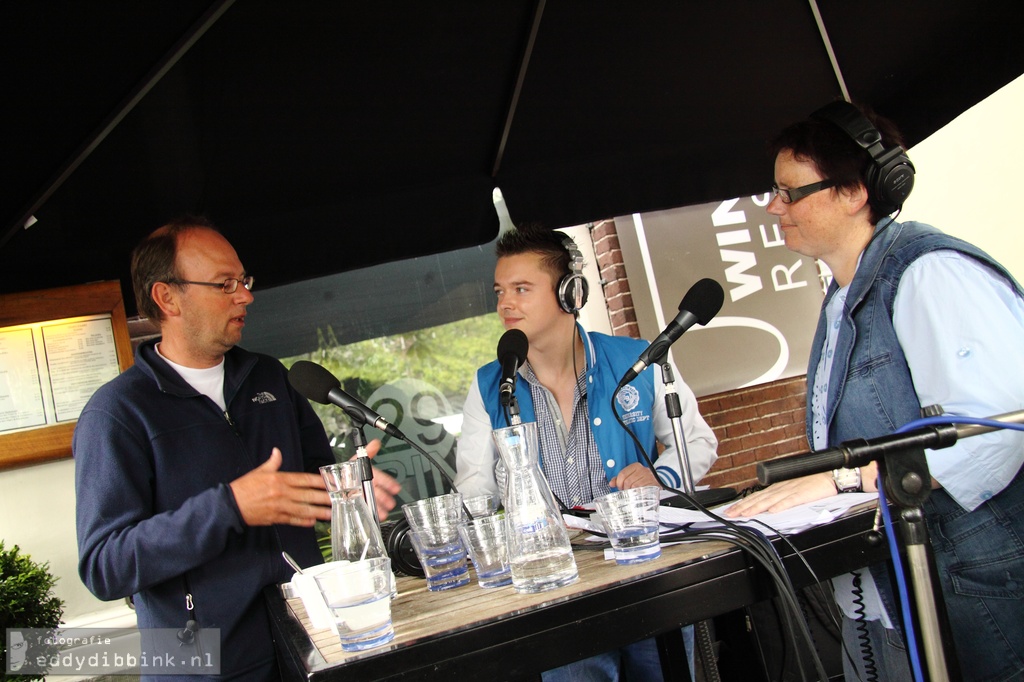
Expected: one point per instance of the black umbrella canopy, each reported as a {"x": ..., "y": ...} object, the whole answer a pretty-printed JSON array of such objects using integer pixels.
[{"x": 327, "y": 136}]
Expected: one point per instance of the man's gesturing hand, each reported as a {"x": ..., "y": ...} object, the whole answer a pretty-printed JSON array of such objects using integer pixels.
[{"x": 266, "y": 496}]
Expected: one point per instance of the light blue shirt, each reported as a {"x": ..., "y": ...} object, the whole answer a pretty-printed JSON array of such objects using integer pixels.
[
  {"x": 961, "y": 328},
  {"x": 962, "y": 331}
]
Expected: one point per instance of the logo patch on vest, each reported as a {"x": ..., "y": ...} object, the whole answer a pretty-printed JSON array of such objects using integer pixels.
[
  {"x": 263, "y": 397},
  {"x": 628, "y": 398}
]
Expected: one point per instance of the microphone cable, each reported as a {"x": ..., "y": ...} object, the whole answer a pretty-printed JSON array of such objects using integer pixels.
[
  {"x": 440, "y": 469},
  {"x": 757, "y": 546}
]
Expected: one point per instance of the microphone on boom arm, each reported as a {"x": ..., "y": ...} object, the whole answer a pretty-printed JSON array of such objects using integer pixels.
[
  {"x": 319, "y": 385},
  {"x": 513, "y": 347}
]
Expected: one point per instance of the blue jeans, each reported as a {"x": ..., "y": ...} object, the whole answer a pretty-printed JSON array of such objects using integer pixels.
[
  {"x": 638, "y": 662},
  {"x": 980, "y": 558}
]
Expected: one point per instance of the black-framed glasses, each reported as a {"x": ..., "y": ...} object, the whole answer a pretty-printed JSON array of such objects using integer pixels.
[
  {"x": 788, "y": 196},
  {"x": 228, "y": 286}
]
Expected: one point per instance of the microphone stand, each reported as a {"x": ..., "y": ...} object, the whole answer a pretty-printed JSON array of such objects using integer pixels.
[
  {"x": 701, "y": 498},
  {"x": 903, "y": 470},
  {"x": 365, "y": 469},
  {"x": 512, "y": 410},
  {"x": 691, "y": 500}
]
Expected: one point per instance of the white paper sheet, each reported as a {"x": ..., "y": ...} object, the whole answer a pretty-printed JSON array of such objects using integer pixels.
[{"x": 790, "y": 521}]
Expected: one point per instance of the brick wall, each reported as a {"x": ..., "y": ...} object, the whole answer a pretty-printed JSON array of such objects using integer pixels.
[
  {"x": 614, "y": 280},
  {"x": 752, "y": 424}
]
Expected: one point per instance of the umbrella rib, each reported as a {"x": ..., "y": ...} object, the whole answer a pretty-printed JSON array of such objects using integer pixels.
[
  {"x": 828, "y": 48},
  {"x": 25, "y": 217},
  {"x": 520, "y": 79}
]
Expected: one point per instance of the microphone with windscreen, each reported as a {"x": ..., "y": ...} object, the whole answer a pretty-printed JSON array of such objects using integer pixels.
[
  {"x": 319, "y": 385},
  {"x": 513, "y": 347},
  {"x": 700, "y": 304},
  {"x": 316, "y": 383}
]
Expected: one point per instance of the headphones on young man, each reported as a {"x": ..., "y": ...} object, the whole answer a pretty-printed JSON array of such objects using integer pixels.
[
  {"x": 891, "y": 175},
  {"x": 572, "y": 289}
]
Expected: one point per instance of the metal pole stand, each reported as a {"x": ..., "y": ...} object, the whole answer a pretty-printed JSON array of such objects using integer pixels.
[
  {"x": 705, "y": 498},
  {"x": 903, "y": 471},
  {"x": 703, "y": 643},
  {"x": 907, "y": 481},
  {"x": 366, "y": 472}
]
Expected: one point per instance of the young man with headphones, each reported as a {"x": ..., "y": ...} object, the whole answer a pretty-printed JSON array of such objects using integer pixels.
[
  {"x": 567, "y": 386},
  {"x": 913, "y": 319}
]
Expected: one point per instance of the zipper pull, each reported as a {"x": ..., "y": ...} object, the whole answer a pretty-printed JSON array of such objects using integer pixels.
[{"x": 187, "y": 635}]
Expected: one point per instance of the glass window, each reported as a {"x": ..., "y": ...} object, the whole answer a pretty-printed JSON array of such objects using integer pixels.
[
  {"x": 404, "y": 338},
  {"x": 415, "y": 380}
]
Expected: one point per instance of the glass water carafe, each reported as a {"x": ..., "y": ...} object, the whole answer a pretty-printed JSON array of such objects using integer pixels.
[
  {"x": 354, "y": 533},
  {"x": 538, "y": 542}
]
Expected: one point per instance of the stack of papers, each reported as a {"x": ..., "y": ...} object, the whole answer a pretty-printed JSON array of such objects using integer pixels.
[{"x": 792, "y": 520}]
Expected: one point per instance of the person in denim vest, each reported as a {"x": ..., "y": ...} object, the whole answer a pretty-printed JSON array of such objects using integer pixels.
[{"x": 912, "y": 319}]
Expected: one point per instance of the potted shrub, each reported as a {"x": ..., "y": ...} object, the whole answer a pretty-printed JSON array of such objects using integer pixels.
[{"x": 26, "y": 601}]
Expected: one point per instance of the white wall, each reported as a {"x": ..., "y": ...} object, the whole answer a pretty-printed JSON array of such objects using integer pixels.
[
  {"x": 37, "y": 513},
  {"x": 966, "y": 185},
  {"x": 968, "y": 177}
]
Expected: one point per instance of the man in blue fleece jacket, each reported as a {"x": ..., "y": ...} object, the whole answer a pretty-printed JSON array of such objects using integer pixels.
[{"x": 197, "y": 467}]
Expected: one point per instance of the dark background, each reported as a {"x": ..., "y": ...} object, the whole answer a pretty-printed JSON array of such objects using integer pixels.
[{"x": 329, "y": 136}]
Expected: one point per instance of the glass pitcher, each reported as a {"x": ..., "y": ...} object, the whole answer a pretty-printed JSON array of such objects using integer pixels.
[
  {"x": 354, "y": 534},
  {"x": 538, "y": 543}
]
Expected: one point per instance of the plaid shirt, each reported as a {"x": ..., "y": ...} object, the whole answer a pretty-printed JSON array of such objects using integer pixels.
[{"x": 569, "y": 457}]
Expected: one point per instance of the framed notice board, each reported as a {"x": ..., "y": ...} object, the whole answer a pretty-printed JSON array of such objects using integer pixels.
[{"x": 57, "y": 346}]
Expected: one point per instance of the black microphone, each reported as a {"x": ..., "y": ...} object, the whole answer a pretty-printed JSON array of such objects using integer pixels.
[
  {"x": 319, "y": 385},
  {"x": 701, "y": 303},
  {"x": 512, "y": 349}
]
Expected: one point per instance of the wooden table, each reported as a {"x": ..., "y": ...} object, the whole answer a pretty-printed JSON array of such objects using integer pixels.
[{"x": 500, "y": 634}]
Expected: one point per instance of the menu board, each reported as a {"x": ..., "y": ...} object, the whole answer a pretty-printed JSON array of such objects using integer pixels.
[{"x": 49, "y": 370}]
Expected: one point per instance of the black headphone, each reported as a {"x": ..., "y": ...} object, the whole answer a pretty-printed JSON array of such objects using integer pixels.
[
  {"x": 891, "y": 175},
  {"x": 572, "y": 289},
  {"x": 397, "y": 536}
]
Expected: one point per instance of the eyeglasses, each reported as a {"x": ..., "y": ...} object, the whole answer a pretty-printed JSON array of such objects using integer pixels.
[
  {"x": 228, "y": 286},
  {"x": 789, "y": 196}
]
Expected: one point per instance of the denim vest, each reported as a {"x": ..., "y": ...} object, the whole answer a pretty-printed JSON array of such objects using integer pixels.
[{"x": 871, "y": 392}]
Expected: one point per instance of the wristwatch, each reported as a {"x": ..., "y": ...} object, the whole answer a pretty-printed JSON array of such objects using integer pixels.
[{"x": 847, "y": 480}]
